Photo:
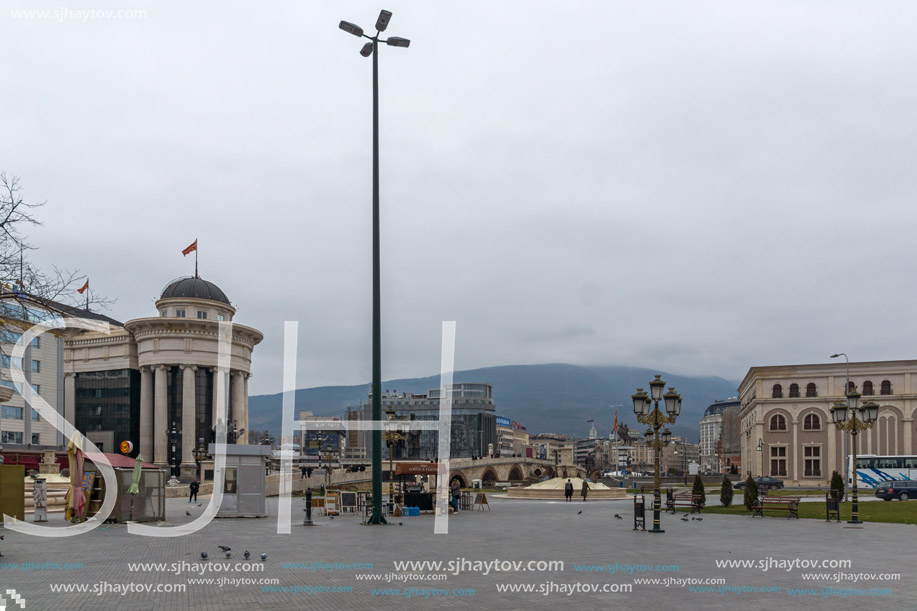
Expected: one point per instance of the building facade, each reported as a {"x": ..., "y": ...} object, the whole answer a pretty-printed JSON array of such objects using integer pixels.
[
  {"x": 711, "y": 429},
  {"x": 786, "y": 425},
  {"x": 155, "y": 381},
  {"x": 474, "y": 421}
]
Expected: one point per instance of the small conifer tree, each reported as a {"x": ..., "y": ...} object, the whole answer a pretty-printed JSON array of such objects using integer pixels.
[
  {"x": 726, "y": 492},
  {"x": 751, "y": 493}
]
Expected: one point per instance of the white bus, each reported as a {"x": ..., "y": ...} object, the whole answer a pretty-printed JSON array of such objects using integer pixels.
[{"x": 873, "y": 469}]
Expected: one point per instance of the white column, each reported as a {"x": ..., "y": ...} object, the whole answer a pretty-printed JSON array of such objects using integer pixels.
[
  {"x": 69, "y": 400},
  {"x": 161, "y": 422},
  {"x": 188, "y": 416},
  {"x": 794, "y": 450},
  {"x": 245, "y": 377},
  {"x": 146, "y": 413},
  {"x": 238, "y": 402}
]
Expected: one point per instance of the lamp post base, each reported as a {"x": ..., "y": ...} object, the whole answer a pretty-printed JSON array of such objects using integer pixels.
[
  {"x": 655, "y": 530},
  {"x": 854, "y": 522}
]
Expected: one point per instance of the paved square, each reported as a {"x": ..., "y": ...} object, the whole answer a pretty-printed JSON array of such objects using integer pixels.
[{"x": 515, "y": 530}]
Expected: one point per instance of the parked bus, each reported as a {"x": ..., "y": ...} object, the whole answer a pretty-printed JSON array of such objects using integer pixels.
[{"x": 873, "y": 469}]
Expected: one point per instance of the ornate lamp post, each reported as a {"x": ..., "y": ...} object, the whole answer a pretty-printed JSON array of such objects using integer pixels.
[
  {"x": 200, "y": 453},
  {"x": 656, "y": 419},
  {"x": 173, "y": 434},
  {"x": 846, "y": 419},
  {"x": 393, "y": 437}
]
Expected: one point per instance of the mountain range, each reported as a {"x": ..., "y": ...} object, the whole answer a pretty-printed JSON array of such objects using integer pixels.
[{"x": 550, "y": 398}]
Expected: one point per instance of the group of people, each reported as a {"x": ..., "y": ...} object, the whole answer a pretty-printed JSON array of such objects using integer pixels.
[{"x": 568, "y": 490}]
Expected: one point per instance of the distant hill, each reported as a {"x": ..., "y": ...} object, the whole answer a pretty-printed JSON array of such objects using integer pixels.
[{"x": 555, "y": 398}]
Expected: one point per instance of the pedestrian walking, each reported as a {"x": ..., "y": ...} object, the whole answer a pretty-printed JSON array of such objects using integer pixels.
[
  {"x": 584, "y": 490},
  {"x": 192, "y": 491},
  {"x": 568, "y": 491},
  {"x": 456, "y": 495}
]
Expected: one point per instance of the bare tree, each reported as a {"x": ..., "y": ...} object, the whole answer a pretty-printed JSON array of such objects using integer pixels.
[{"x": 22, "y": 281}]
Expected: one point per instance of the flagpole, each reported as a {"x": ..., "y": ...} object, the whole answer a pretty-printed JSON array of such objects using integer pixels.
[{"x": 195, "y": 258}]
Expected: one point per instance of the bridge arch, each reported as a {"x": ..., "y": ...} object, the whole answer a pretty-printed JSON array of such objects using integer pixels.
[
  {"x": 489, "y": 475},
  {"x": 460, "y": 478},
  {"x": 515, "y": 474}
]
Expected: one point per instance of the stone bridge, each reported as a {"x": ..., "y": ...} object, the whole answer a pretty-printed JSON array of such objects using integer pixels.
[{"x": 505, "y": 469}]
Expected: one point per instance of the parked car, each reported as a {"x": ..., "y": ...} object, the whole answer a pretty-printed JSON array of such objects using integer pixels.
[
  {"x": 764, "y": 484},
  {"x": 901, "y": 490}
]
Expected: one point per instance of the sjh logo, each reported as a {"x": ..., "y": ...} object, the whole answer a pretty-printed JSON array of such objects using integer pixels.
[{"x": 17, "y": 600}]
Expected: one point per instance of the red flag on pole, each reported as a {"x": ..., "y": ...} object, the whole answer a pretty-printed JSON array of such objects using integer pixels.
[
  {"x": 83, "y": 288},
  {"x": 190, "y": 249},
  {"x": 615, "y": 430}
]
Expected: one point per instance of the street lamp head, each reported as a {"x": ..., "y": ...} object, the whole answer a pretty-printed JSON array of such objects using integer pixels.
[
  {"x": 648, "y": 435},
  {"x": 351, "y": 28},
  {"x": 760, "y": 445},
  {"x": 666, "y": 435},
  {"x": 853, "y": 398},
  {"x": 367, "y": 50},
  {"x": 672, "y": 402},
  {"x": 382, "y": 21},
  {"x": 839, "y": 412},
  {"x": 870, "y": 411},
  {"x": 656, "y": 387},
  {"x": 397, "y": 41},
  {"x": 641, "y": 405}
]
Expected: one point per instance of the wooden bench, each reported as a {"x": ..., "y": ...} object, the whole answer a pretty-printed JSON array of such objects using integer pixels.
[
  {"x": 694, "y": 501},
  {"x": 789, "y": 504}
]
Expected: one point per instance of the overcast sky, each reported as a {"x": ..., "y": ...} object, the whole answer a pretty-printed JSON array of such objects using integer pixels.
[{"x": 697, "y": 187}]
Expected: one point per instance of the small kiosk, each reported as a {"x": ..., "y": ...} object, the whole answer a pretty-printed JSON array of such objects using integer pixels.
[
  {"x": 243, "y": 480},
  {"x": 148, "y": 505}
]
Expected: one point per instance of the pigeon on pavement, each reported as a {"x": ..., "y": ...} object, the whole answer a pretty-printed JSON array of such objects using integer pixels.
[
  {"x": 224, "y": 548},
  {"x": 579, "y": 512},
  {"x": 229, "y": 554},
  {"x": 247, "y": 554},
  {"x": 204, "y": 555},
  {"x": 187, "y": 513},
  {"x": 618, "y": 516},
  {"x": 263, "y": 556}
]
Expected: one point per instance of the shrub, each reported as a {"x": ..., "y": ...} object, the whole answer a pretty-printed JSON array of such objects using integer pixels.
[
  {"x": 751, "y": 493},
  {"x": 837, "y": 485},
  {"x": 726, "y": 492},
  {"x": 699, "y": 488}
]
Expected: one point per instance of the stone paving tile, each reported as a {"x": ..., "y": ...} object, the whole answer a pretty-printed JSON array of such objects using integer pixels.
[{"x": 514, "y": 530}]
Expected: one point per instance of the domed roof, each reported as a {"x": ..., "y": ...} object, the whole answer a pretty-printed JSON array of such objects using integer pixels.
[
  {"x": 720, "y": 406},
  {"x": 194, "y": 288}
]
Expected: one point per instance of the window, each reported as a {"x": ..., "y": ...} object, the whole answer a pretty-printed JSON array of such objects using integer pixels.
[
  {"x": 35, "y": 416},
  {"x": 164, "y": 313},
  {"x": 36, "y": 343},
  {"x": 11, "y": 437},
  {"x": 220, "y": 317},
  {"x": 811, "y": 423},
  {"x": 867, "y": 388},
  {"x": 778, "y": 461},
  {"x": 8, "y": 384},
  {"x": 9, "y": 337},
  {"x": 36, "y": 388},
  {"x": 10, "y": 411},
  {"x": 812, "y": 458},
  {"x": 794, "y": 390},
  {"x": 36, "y": 366},
  {"x": 778, "y": 423},
  {"x": 36, "y": 439},
  {"x": 851, "y": 386},
  {"x": 201, "y": 314},
  {"x": 886, "y": 388},
  {"x": 778, "y": 392},
  {"x": 179, "y": 313},
  {"x": 811, "y": 390},
  {"x": 7, "y": 361}
]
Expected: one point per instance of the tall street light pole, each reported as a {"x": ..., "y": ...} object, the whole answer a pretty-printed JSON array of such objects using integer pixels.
[
  {"x": 372, "y": 48},
  {"x": 846, "y": 390}
]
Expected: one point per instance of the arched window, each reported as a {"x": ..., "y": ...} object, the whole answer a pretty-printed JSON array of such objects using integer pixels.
[
  {"x": 794, "y": 390},
  {"x": 886, "y": 388},
  {"x": 778, "y": 392},
  {"x": 867, "y": 388},
  {"x": 811, "y": 390},
  {"x": 851, "y": 386},
  {"x": 811, "y": 423},
  {"x": 778, "y": 422}
]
